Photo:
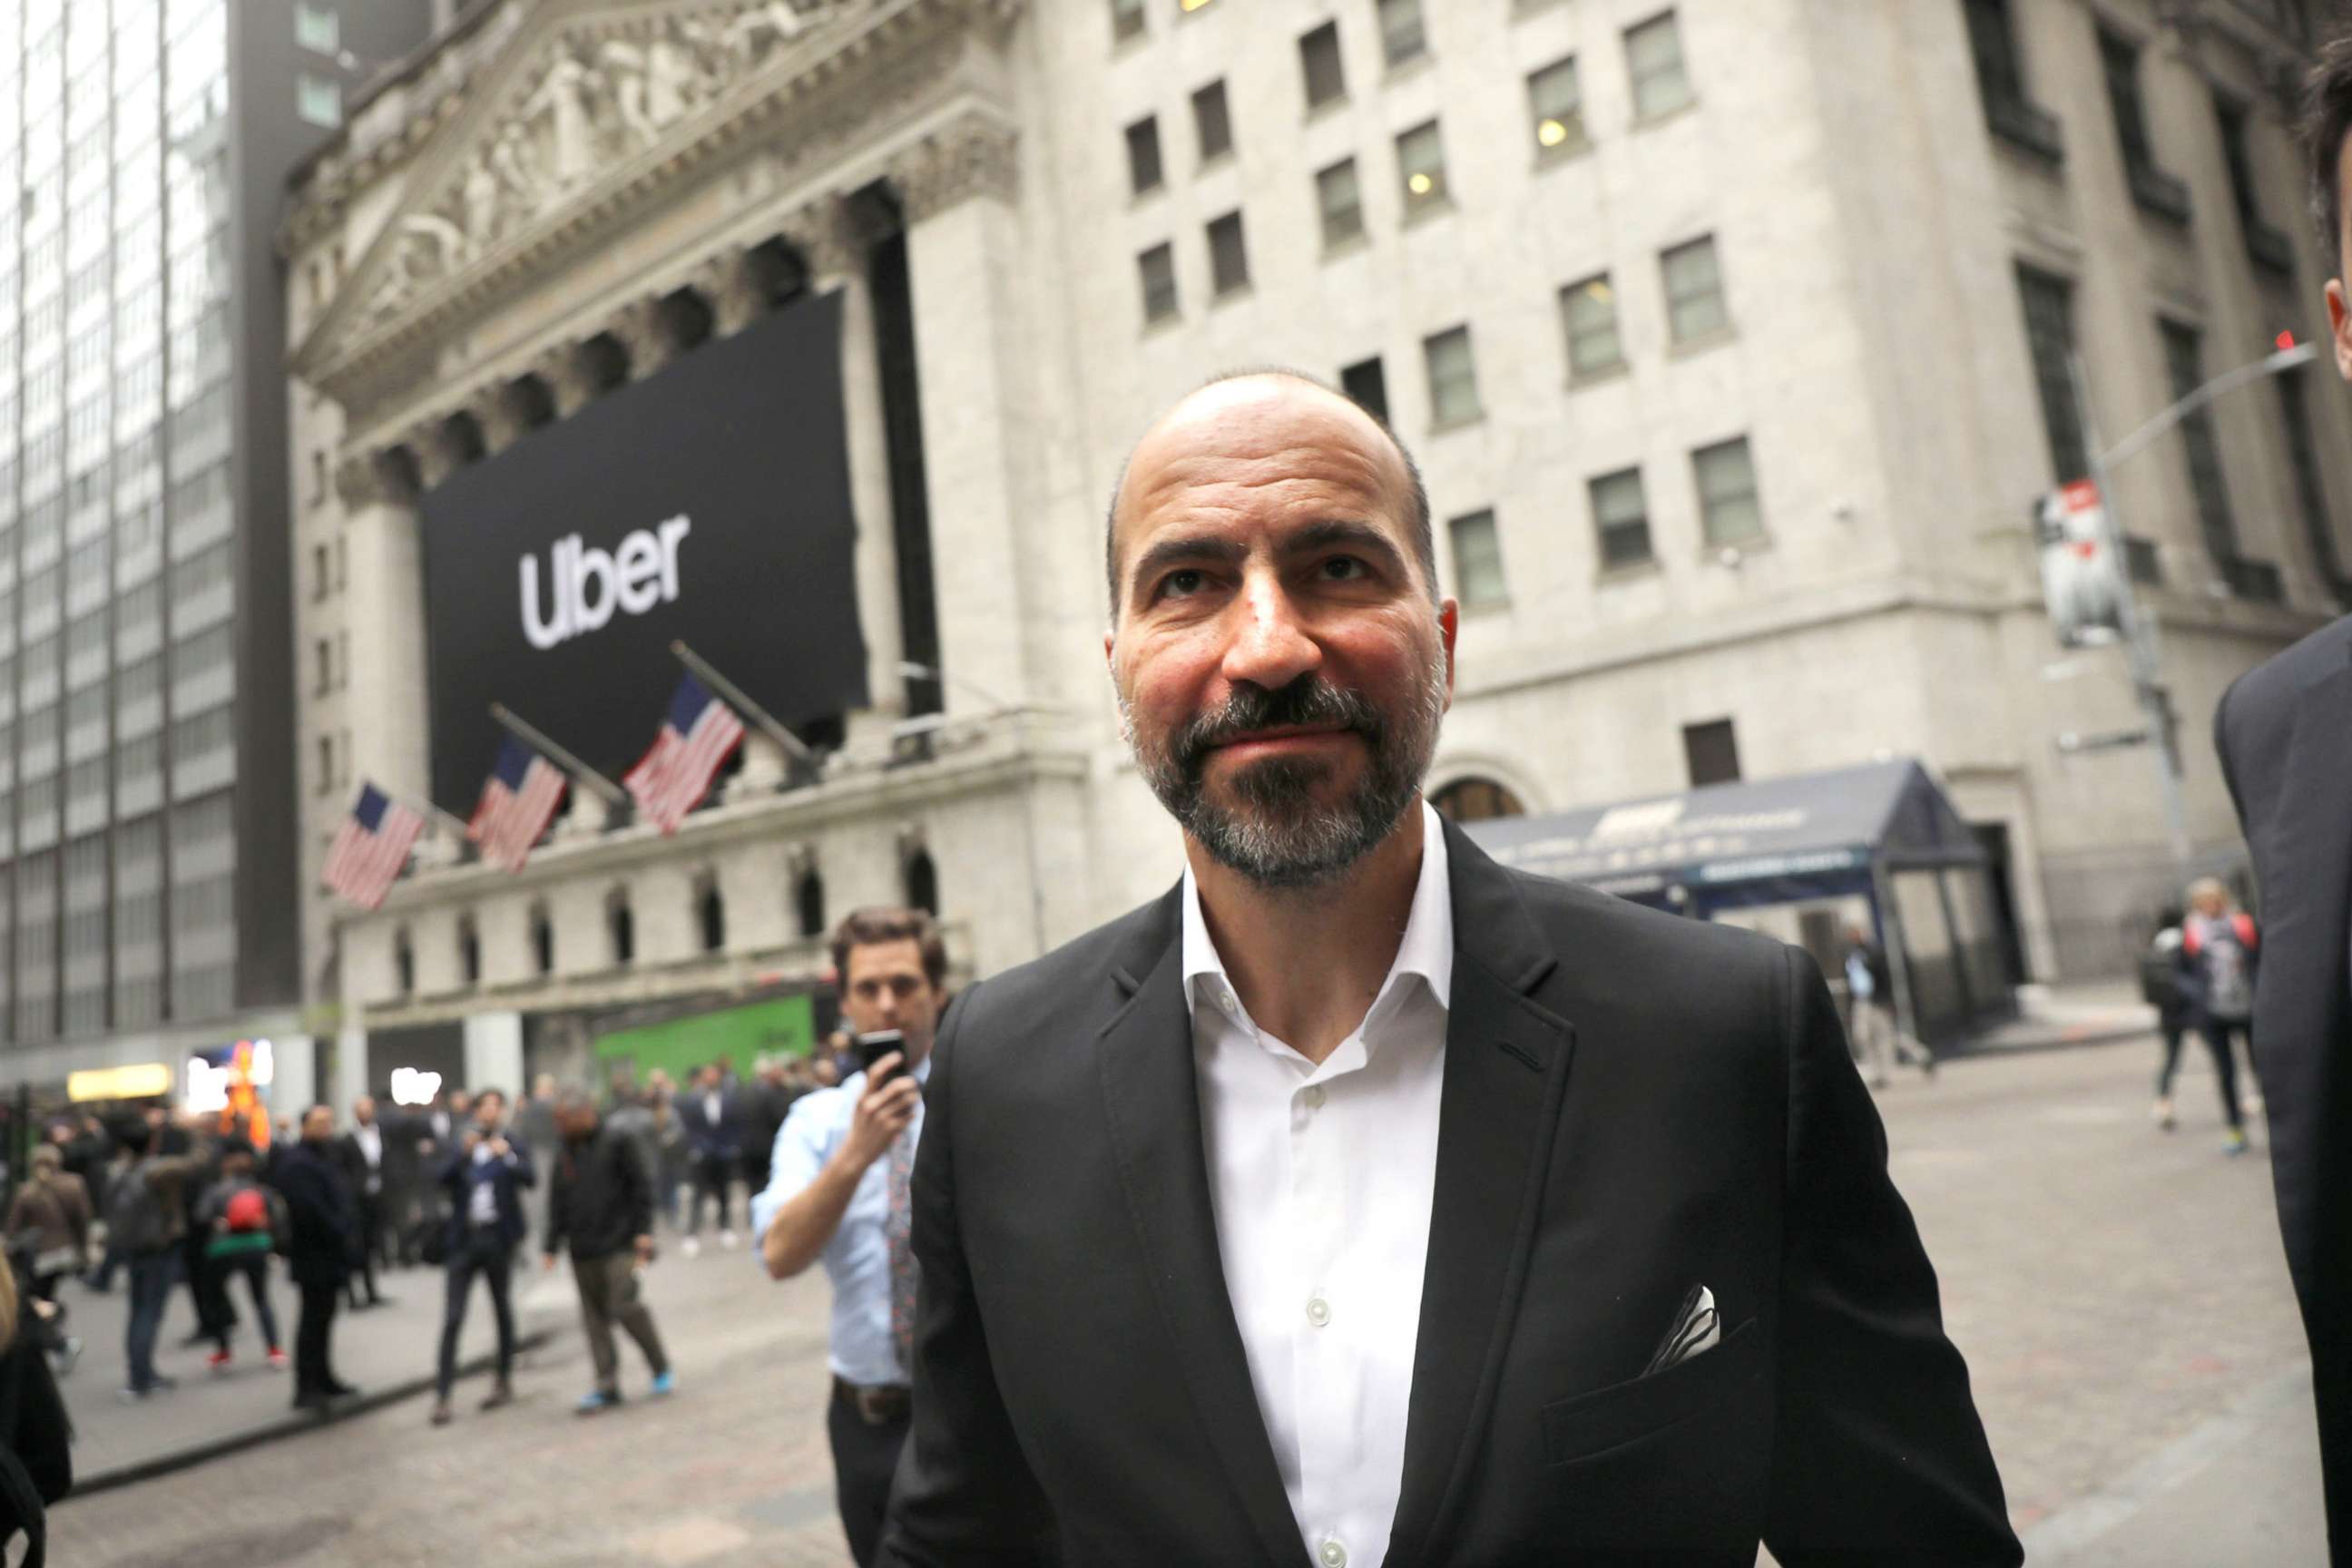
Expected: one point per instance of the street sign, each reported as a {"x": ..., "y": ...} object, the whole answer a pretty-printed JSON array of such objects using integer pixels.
[{"x": 2081, "y": 583}]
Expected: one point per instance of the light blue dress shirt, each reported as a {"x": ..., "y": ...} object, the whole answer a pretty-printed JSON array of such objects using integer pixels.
[{"x": 857, "y": 1259}]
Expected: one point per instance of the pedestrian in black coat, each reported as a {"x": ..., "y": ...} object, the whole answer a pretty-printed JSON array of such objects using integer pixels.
[
  {"x": 35, "y": 1465},
  {"x": 322, "y": 1245}
]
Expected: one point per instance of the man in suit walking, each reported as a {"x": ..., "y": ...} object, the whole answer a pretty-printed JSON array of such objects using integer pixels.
[
  {"x": 714, "y": 1133},
  {"x": 1360, "y": 1202},
  {"x": 482, "y": 1179},
  {"x": 323, "y": 1225},
  {"x": 363, "y": 1153},
  {"x": 2285, "y": 733}
]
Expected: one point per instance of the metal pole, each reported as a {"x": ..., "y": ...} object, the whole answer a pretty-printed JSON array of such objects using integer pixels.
[
  {"x": 433, "y": 810},
  {"x": 2141, "y": 654},
  {"x": 733, "y": 695},
  {"x": 610, "y": 793}
]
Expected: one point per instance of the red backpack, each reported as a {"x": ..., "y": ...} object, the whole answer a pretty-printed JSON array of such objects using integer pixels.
[{"x": 248, "y": 1211}]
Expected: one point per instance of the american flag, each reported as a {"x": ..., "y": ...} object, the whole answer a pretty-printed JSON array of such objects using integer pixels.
[
  {"x": 697, "y": 735},
  {"x": 373, "y": 847},
  {"x": 518, "y": 799}
]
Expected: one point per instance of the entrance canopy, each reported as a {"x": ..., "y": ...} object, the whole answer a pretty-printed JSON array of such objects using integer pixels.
[{"x": 1810, "y": 835}]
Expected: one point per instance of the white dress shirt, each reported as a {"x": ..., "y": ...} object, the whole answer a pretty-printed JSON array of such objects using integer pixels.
[{"x": 1322, "y": 1179}]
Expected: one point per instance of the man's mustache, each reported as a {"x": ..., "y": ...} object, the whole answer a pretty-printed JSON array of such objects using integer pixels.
[{"x": 1307, "y": 702}]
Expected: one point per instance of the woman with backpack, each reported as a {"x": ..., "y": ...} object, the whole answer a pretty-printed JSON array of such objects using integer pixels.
[
  {"x": 36, "y": 1465},
  {"x": 241, "y": 1223},
  {"x": 2220, "y": 948}
]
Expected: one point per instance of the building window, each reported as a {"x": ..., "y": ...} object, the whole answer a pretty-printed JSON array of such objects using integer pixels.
[
  {"x": 2264, "y": 244},
  {"x": 1318, "y": 59},
  {"x": 1402, "y": 35},
  {"x": 1589, "y": 310},
  {"x": 2050, "y": 339},
  {"x": 317, "y": 28},
  {"x": 1126, "y": 20},
  {"x": 1453, "y": 377},
  {"x": 2009, "y": 113},
  {"x": 1621, "y": 517},
  {"x": 1711, "y": 751},
  {"x": 326, "y": 666},
  {"x": 1341, "y": 203},
  {"x": 2183, "y": 361},
  {"x": 711, "y": 913},
  {"x": 808, "y": 900},
  {"x": 2311, "y": 492},
  {"x": 318, "y": 99},
  {"x": 1158, "y": 266},
  {"x": 404, "y": 963},
  {"x": 1143, "y": 170},
  {"x": 1556, "y": 106},
  {"x": 1477, "y": 562},
  {"x": 1730, "y": 511},
  {"x": 1368, "y": 384},
  {"x": 1477, "y": 800},
  {"x": 326, "y": 763},
  {"x": 922, "y": 882},
  {"x": 1693, "y": 276},
  {"x": 469, "y": 950},
  {"x": 1653, "y": 55},
  {"x": 622, "y": 928},
  {"x": 1213, "y": 126},
  {"x": 319, "y": 569},
  {"x": 1228, "y": 255},
  {"x": 318, "y": 479},
  {"x": 1421, "y": 167},
  {"x": 2159, "y": 194}
]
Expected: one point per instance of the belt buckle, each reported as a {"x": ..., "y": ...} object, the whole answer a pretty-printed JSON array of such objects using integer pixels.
[{"x": 869, "y": 1402}]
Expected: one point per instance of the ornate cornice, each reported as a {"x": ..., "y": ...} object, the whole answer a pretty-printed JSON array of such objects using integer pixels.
[
  {"x": 975, "y": 155},
  {"x": 516, "y": 188}
]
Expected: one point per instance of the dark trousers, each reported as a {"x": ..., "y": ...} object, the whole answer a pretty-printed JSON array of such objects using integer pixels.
[
  {"x": 479, "y": 1252},
  {"x": 711, "y": 1178},
  {"x": 311, "y": 1373},
  {"x": 215, "y": 1316},
  {"x": 151, "y": 1288},
  {"x": 254, "y": 1267},
  {"x": 864, "y": 1458},
  {"x": 2216, "y": 1034},
  {"x": 371, "y": 1241},
  {"x": 609, "y": 1295}
]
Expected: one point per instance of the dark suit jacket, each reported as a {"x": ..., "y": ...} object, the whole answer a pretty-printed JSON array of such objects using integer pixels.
[
  {"x": 323, "y": 1215},
  {"x": 506, "y": 1183},
  {"x": 722, "y": 1140},
  {"x": 1633, "y": 1105},
  {"x": 2284, "y": 732}
]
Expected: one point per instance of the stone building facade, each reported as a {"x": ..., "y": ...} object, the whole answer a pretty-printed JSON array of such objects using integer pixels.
[{"x": 1709, "y": 326}]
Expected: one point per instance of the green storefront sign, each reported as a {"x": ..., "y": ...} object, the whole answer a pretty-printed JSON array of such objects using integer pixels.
[{"x": 781, "y": 1025}]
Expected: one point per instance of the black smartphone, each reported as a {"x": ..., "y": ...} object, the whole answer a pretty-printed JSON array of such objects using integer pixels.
[{"x": 873, "y": 1048}]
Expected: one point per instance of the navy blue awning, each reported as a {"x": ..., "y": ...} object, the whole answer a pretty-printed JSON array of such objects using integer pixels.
[{"x": 1813, "y": 835}]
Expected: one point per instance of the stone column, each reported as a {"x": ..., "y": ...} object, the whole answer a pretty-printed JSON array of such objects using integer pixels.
[
  {"x": 436, "y": 455},
  {"x": 496, "y": 410},
  {"x": 564, "y": 369},
  {"x": 834, "y": 247},
  {"x": 384, "y": 597},
  {"x": 735, "y": 284},
  {"x": 494, "y": 1052},
  {"x": 963, "y": 250},
  {"x": 645, "y": 330}
]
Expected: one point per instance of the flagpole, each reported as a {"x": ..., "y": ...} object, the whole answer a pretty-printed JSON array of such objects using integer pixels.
[
  {"x": 433, "y": 810},
  {"x": 793, "y": 746},
  {"x": 603, "y": 787}
]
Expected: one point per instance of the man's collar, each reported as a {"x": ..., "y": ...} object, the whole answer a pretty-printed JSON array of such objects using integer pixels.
[{"x": 1426, "y": 950}]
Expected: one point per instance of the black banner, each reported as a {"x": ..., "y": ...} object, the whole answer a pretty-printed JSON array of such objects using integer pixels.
[{"x": 707, "y": 503}]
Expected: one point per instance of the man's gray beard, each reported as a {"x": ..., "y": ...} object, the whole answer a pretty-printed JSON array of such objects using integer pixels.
[{"x": 1275, "y": 835}]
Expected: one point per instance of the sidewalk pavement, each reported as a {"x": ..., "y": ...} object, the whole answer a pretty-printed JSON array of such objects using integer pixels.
[
  {"x": 388, "y": 1351},
  {"x": 2080, "y": 1014}
]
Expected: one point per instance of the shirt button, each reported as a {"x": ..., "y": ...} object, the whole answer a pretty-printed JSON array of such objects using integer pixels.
[
  {"x": 1333, "y": 1555},
  {"x": 1318, "y": 1312},
  {"x": 1314, "y": 1097}
]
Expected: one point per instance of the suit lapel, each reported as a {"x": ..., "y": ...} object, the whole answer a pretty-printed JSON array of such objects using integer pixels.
[
  {"x": 1506, "y": 1062},
  {"x": 1151, "y": 1106}
]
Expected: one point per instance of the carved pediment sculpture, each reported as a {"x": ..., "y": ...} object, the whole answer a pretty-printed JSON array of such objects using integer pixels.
[{"x": 590, "y": 97}]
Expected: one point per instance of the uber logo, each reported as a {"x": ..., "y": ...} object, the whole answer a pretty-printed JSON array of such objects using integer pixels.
[{"x": 585, "y": 584}]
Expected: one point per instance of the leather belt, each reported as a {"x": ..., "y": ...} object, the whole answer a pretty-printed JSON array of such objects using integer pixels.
[{"x": 878, "y": 1405}]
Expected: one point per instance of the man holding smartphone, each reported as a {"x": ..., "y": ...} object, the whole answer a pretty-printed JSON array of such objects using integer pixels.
[{"x": 837, "y": 1193}]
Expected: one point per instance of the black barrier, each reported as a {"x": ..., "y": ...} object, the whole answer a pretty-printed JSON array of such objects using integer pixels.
[{"x": 709, "y": 502}]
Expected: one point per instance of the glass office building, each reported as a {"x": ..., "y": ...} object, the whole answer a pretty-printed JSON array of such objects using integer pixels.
[{"x": 146, "y": 821}]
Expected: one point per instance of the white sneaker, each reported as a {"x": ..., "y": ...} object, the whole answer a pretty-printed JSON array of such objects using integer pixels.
[
  {"x": 727, "y": 1240},
  {"x": 691, "y": 1246}
]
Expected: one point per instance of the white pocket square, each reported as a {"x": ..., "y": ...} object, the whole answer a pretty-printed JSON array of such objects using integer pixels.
[{"x": 1696, "y": 1329}]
